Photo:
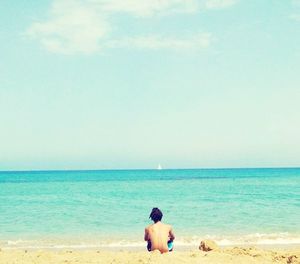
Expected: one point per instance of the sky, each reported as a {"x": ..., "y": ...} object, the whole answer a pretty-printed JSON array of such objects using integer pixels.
[{"x": 120, "y": 84}]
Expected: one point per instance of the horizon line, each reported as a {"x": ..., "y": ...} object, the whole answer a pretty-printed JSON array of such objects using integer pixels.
[{"x": 154, "y": 169}]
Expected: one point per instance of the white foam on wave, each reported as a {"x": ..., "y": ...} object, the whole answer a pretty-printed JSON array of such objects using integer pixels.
[
  {"x": 251, "y": 239},
  {"x": 258, "y": 239}
]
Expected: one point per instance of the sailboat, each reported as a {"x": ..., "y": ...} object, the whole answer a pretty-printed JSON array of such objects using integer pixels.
[{"x": 159, "y": 167}]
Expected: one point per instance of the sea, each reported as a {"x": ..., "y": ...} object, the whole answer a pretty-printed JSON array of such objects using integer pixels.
[{"x": 110, "y": 208}]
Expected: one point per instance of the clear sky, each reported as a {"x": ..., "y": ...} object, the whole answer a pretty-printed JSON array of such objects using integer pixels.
[{"x": 107, "y": 84}]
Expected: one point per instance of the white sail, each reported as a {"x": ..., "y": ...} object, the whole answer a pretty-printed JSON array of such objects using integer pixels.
[{"x": 159, "y": 167}]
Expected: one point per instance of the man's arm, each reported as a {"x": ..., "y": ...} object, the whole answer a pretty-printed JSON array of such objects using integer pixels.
[
  {"x": 146, "y": 236},
  {"x": 171, "y": 234}
]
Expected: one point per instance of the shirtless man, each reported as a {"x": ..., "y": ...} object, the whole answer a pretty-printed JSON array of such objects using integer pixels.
[{"x": 158, "y": 235}]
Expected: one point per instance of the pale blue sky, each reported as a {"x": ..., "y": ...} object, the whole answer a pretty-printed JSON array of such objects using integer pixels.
[{"x": 106, "y": 84}]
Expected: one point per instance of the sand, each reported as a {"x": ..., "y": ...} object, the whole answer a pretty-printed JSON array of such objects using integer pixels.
[{"x": 234, "y": 255}]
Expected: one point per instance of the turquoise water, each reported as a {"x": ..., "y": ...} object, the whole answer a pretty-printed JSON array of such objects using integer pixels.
[{"x": 108, "y": 208}]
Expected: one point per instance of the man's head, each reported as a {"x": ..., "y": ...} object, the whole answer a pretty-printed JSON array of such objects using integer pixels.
[{"x": 156, "y": 215}]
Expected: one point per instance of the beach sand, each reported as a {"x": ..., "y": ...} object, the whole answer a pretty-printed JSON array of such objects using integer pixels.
[{"x": 236, "y": 255}]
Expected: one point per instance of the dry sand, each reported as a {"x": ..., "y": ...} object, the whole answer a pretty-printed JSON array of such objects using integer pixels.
[{"x": 234, "y": 255}]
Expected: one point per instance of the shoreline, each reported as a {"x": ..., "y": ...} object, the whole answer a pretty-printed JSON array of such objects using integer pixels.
[
  {"x": 234, "y": 255},
  {"x": 262, "y": 241},
  {"x": 140, "y": 248}
]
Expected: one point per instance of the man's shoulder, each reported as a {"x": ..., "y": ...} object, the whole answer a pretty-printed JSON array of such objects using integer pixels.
[
  {"x": 167, "y": 226},
  {"x": 153, "y": 225},
  {"x": 148, "y": 227},
  {"x": 170, "y": 227}
]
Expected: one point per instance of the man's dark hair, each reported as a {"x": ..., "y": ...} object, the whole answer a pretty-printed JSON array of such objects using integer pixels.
[{"x": 156, "y": 215}]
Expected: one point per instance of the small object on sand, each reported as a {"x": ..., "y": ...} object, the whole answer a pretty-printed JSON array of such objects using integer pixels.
[
  {"x": 291, "y": 259},
  {"x": 208, "y": 245}
]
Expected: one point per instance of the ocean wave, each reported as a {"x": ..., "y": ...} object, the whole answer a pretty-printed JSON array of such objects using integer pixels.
[
  {"x": 189, "y": 242},
  {"x": 258, "y": 239}
]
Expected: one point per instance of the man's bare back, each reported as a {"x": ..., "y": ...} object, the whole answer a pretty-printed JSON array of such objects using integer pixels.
[{"x": 158, "y": 235}]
